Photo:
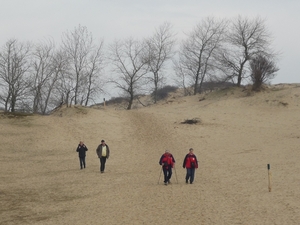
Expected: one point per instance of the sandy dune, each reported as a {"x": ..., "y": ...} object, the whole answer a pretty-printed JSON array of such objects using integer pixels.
[{"x": 238, "y": 135}]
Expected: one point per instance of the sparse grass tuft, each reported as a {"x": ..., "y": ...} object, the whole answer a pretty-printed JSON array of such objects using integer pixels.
[
  {"x": 191, "y": 121},
  {"x": 15, "y": 115}
]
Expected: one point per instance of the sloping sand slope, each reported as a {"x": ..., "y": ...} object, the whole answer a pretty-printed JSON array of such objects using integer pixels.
[{"x": 237, "y": 136}]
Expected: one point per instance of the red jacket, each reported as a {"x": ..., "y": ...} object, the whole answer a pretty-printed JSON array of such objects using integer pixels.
[
  {"x": 167, "y": 160},
  {"x": 189, "y": 161}
]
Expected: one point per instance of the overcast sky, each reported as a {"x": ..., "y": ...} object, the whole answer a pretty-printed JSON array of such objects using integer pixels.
[{"x": 35, "y": 20}]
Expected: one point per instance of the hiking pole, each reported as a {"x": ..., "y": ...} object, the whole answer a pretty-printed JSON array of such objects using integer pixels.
[
  {"x": 175, "y": 174},
  {"x": 159, "y": 175}
]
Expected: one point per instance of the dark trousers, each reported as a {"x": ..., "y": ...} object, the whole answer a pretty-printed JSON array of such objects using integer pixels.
[
  {"x": 102, "y": 164},
  {"x": 190, "y": 174},
  {"x": 82, "y": 162},
  {"x": 167, "y": 173}
]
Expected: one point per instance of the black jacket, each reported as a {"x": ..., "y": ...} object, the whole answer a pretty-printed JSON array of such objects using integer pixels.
[{"x": 81, "y": 149}]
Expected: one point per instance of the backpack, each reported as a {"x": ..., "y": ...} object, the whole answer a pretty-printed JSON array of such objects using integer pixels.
[{"x": 167, "y": 160}]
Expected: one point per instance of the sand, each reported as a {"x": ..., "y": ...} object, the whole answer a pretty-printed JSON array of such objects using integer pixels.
[{"x": 238, "y": 134}]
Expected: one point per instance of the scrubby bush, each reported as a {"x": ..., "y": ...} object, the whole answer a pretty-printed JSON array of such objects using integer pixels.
[
  {"x": 116, "y": 100},
  {"x": 262, "y": 69},
  {"x": 214, "y": 85},
  {"x": 163, "y": 92},
  {"x": 191, "y": 121}
]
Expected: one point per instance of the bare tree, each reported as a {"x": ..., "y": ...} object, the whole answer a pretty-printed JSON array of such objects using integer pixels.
[
  {"x": 67, "y": 87},
  {"x": 159, "y": 47},
  {"x": 94, "y": 68},
  {"x": 86, "y": 63},
  {"x": 42, "y": 72},
  {"x": 53, "y": 91},
  {"x": 182, "y": 82},
  {"x": 196, "y": 53},
  {"x": 246, "y": 39},
  {"x": 130, "y": 64},
  {"x": 14, "y": 65},
  {"x": 262, "y": 70}
]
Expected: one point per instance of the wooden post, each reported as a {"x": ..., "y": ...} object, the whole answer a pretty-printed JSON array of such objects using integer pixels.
[
  {"x": 104, "y": 102},
  {"x": 269, "y": 178}
]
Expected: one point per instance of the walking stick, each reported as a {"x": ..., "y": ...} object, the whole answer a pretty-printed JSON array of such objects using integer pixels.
[
  {"x": 159, "y": 175},
  {"x": 175, "y": 174}
]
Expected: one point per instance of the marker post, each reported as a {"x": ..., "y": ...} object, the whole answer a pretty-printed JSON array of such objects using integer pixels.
[{"x": 269, "y": 178}]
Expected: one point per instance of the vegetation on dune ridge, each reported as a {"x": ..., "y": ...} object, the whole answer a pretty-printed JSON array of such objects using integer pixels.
[{"x": 268, "y": 94}]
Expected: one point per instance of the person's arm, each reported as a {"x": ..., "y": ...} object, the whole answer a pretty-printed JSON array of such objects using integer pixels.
[
  {"x": 173, "y": 159},
  {"x": 184, "y": 161},
  {"x": 160, "y": 160},
  {"x": 107, "y": 152},
  {"x": 77, "y": 150},
  {"x": 98, "y": 151},
  {"x": 85, "y": 148}
]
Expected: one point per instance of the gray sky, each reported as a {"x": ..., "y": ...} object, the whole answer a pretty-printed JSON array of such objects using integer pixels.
[{"x": 35, "y": 20}]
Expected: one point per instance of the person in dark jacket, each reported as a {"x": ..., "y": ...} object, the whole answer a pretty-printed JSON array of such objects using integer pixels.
[
  {"x": 103, "y": 154},
  {"x": 81, "y": 149},
  {"x": 167, "y": 162},
  {"x": 190, "y": 162}
]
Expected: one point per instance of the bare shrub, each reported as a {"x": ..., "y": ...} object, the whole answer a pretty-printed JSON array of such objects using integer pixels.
[
  {"x": 263, "y": 69},
  {"x": 11, "y": 115},
  {"x": 116, "y": 100},
  {"x": 162, "y": 93},
  {"x": 191, "y": 121}
]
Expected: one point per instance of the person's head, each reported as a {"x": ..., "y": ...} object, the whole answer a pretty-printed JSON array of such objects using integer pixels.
[
  {"x": 81, "y": 143},
  {"x": 102, "y": 142},
  {"x": 167, "y": 152},
  {"x": 191, "y": 150}
]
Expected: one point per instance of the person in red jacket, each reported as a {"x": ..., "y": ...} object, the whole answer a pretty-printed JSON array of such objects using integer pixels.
[
  {"x": 167, "y": 162},
  {"x": 190, "y": 162}
]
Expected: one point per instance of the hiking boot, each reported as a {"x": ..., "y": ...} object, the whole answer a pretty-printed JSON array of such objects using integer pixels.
[
  {"x": 166, "y": 183},
  {"x": 186, "y": 181},
  {"x": 169, "y": 182}
]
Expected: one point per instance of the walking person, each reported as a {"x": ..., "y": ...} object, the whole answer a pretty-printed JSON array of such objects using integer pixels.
[
  {"x": 190, "y": 162},
  {"x": 167, "y": 162},
  {"x": 81, "y": 149},
  {"x": 103, "y": 154}
]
